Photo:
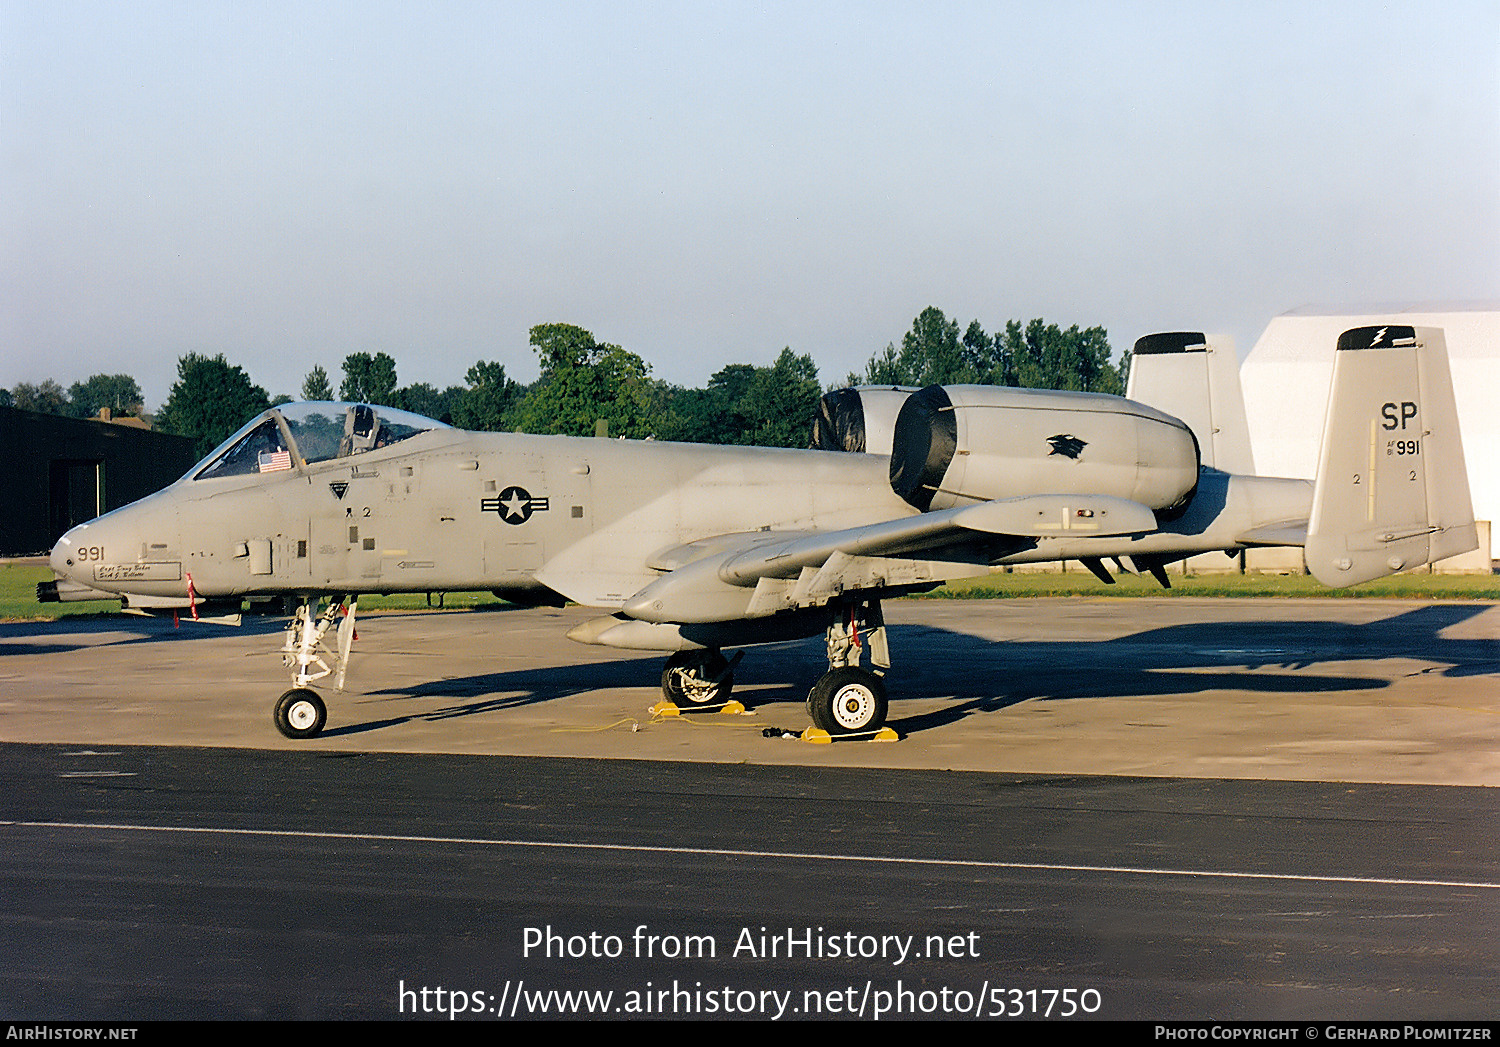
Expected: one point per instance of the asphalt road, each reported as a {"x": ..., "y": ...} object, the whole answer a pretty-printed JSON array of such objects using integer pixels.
[
  {"x": 1192, "y": 809},
  {"x": 175, "y": 882}
]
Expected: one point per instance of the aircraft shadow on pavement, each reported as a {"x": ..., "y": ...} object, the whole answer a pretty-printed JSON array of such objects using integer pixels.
[
  {"x": 1185, "y": 660},
  {"x": 79, "y": 631},
  {"x": 494, "y": 692},
  {"x": 980, "y": 675},
  {"x": 76, "y": 632}
]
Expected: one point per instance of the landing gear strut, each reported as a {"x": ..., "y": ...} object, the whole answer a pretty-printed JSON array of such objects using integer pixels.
[
  {"x": 300, "y": 712},
  {"x": 849, "y": 699}
]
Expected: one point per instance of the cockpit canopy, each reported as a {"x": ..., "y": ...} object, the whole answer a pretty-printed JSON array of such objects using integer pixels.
[{"x": 312, "y": 432}]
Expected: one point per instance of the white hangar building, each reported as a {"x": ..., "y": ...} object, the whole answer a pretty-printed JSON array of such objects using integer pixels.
[{"x": 1287, "y": 375}]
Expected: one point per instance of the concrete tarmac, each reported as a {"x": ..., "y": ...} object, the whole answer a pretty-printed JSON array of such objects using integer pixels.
[{"x": 1321, "y": 690}]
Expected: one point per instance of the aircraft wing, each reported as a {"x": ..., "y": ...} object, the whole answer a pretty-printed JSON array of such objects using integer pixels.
[{"x": 763, "y": 572}]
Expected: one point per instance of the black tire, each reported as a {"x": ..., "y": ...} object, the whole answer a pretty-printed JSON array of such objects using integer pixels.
[
  {"x": 848, "y": 701},
  {"x": 686, "y": 680},
  {"x": 300, "y": 713}
]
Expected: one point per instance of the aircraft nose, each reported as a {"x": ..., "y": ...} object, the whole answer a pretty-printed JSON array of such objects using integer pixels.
[
  {"x": 71, "y": 570},
  {"x": 100, "y": 558},
  {"x": 65, "y": 555}
]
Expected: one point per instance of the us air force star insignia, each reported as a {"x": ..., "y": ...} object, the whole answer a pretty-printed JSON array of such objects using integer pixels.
[{"x": 515, "y": 505}]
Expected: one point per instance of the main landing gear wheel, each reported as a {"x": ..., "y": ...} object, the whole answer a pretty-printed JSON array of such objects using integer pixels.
[
  {"x": 849, "y": 700},
  {"x": 696, "y": 678},
  {"x": 300, "y": 713}
]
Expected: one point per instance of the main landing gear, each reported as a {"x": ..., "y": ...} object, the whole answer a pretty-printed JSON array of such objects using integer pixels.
[
  {"x": 300, "y": 712},
  {"x": 698, "y": 678},
  {"x": 847, "y": 700}
]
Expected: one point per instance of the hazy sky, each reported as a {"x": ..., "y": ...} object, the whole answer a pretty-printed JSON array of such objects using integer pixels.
[{"x": 706, "y": 183}]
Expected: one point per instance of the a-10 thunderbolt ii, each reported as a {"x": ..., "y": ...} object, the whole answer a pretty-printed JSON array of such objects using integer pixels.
[{"x": 692, "y": 549}]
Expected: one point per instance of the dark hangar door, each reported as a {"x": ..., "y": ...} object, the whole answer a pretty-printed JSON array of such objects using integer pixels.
[{"x": 75, "y": 493}]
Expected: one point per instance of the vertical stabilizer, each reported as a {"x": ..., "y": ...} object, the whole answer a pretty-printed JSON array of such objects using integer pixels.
[
  {"x": 1392, "y": 490},
  {"x": 1196, "y": 377}
]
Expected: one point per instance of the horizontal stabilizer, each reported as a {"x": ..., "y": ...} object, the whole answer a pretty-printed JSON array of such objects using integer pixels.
[{"x": 1392, "y": 491}]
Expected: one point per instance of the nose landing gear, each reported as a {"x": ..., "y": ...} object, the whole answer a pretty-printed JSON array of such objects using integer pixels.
[{"x": 300, "y": 713}]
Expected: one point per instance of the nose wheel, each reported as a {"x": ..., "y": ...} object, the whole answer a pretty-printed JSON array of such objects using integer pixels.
[{"x": 300, "y": 713}]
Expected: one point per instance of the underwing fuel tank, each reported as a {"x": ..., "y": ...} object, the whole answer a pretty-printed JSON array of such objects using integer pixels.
[{"x": 971, "y": 443}]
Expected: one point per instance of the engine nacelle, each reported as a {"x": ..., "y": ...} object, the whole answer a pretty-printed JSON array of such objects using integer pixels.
[
  {"x": 860, "y": 418},
  {"x": 972, "y": 443}
]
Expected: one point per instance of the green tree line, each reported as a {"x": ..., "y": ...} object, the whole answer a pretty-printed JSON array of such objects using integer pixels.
[
  {"x": 587, "y": 387},
  {"x": 1037, "y": 355},
  {"x": 118, "y": 392}
]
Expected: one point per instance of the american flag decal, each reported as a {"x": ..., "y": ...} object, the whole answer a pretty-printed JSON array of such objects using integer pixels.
[{"x": 275, "y": 461}]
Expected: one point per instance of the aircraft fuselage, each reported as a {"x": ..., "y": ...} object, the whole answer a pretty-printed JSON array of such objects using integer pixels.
[{"x": 452, "y": 510}]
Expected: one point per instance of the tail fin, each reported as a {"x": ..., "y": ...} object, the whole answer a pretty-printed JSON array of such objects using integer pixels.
[
  {"x": 1392, "y": 490},
  {"x": 1197, "y": 378}
]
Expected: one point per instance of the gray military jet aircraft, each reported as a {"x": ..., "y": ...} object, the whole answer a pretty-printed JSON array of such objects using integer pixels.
[{"x": 693, "y": 549}]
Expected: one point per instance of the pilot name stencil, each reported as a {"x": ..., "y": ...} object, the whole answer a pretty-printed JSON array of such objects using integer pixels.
[
  {"x": 515, "y": 505},
  {"x": 159, "y": 571}
]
